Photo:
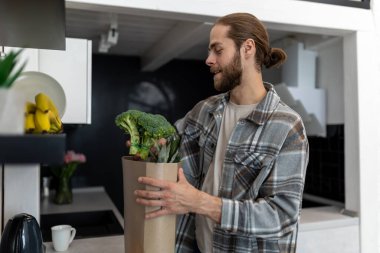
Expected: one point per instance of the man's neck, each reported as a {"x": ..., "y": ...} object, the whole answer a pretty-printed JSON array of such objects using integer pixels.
[{"x": 250, "y": 91}]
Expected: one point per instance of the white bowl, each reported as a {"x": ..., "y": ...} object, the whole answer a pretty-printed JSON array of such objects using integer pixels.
[{"x": 30, "y": 83}]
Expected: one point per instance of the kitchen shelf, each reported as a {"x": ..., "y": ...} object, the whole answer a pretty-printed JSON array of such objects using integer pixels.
[{"x": 33, "y": 148}]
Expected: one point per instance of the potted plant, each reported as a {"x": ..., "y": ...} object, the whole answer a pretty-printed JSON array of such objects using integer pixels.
[
  {"x": 153, "y": 152},
  {"x": 11, "y": 103},
  {"x": 8, "y": 71}
]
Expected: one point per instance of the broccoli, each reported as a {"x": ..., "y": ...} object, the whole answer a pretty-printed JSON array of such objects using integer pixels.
[
  {"x": 146, "y": 130},
  {"x": 128, "y": 122}
]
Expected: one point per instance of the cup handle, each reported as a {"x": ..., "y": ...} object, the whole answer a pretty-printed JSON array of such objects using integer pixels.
[{"x": 73, "y": 232}]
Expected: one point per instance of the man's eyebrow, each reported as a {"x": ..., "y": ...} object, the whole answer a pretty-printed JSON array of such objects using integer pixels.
[{"x": 213, "y": 45}]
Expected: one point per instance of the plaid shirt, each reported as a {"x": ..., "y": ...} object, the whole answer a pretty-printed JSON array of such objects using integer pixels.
[{"x": 262, "y": 176}]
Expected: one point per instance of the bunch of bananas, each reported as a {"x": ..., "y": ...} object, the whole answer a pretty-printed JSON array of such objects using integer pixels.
[{"x": 42, "y": 116}]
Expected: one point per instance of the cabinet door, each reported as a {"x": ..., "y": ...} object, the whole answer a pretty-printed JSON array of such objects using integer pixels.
[
  {"x": 28, "y": 55},
  {"x": 72, "y": 69}
]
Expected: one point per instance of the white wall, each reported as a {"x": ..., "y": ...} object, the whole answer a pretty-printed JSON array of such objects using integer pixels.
[
  {"x": 376, "y": 53},
  {"x": 330, "y": 77}
]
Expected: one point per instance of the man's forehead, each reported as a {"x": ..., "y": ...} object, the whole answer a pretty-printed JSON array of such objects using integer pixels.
[
  {"x": 218, "y": 35},
  {"x": 219, "y": 31}
]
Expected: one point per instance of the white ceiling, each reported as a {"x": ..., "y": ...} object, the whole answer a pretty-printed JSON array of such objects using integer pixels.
[{"x": 155, "y": 39}]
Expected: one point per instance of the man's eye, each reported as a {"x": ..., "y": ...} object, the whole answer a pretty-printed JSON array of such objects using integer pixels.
[{"x": 218, "y": 51}]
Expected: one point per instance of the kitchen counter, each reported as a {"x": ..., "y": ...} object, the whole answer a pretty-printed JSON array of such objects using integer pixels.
[
  {"x": 316, "y": 222},
  {"x": 329, "y": 230},
  {"x": 84, "y": 199},
  {"x": 325, "y": 217},
  {"x": 92, "y": 213},
  {"x": 114, "y": 244}
]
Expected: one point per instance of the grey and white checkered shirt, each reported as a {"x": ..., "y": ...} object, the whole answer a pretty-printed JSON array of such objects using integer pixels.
[{"x": 262, "y": 177}]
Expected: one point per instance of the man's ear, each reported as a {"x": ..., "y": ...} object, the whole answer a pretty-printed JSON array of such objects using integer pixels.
[{"x": 249, "y": 47}]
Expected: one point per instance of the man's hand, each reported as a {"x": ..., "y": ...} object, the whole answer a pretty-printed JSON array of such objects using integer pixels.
[
  {"x": 177, "y": 198},
  {"x": 174, "y": 198}
]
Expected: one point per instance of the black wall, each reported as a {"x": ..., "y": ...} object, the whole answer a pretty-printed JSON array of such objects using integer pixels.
[
  {"x": 119, "y": 85},
  {"x": 325, "y": 173}
]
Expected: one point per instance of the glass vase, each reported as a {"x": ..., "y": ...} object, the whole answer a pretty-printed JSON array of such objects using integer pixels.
[{"x": 64, "y": 194}]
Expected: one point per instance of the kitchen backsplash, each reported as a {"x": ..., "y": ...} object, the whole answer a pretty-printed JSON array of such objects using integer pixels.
[{"x": 325, "y": 173}]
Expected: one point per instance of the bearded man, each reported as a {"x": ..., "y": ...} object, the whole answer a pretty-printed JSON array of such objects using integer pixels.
[{"x": 244, "y": 153}]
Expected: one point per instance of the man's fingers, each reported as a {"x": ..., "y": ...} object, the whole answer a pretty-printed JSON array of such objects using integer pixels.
[
  {"x": 149, "y": 202},
  {"x": 158, "y": 213},
  {"x": 149, "y": 194},
  {"x": 153, "y": 182},
  {"x": 181, "y": 175},
  {"x": 162, "y": 141}
]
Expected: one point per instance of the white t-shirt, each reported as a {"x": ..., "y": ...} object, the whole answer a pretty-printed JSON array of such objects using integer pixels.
[{"x": 231, "y": 115}]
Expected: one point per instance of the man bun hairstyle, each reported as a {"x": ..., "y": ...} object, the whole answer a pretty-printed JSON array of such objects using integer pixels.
[
  {"x": 274, "y": 58},
  {"x": 245, "y": 26}
]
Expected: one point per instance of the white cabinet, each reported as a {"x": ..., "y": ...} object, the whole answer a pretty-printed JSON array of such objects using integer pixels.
[
  {"x": 28, "y": 55},
  {"x": 72, "y": 69}
]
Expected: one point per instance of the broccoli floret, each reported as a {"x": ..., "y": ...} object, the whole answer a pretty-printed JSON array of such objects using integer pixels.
[
  {"x": 127, "y": 121},
  {"x": 146, "y": 130},
  {"x": 155, "y": 127}
]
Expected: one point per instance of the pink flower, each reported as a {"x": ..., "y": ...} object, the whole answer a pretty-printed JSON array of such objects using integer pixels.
[{"x": 71, "y": 157}]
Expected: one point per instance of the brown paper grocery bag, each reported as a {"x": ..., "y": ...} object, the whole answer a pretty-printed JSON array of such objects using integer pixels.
[{"x": 146, "y": 236}]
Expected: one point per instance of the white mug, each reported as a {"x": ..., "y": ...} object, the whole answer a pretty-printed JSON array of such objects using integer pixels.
[{"x": 62, "y": 236}]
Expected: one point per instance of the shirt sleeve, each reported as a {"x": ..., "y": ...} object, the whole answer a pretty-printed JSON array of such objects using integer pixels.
[{"x": 275, "y": 210}]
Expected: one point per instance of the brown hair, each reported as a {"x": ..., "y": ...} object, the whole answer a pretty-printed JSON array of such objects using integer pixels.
[{"x": 245, "y": 26}]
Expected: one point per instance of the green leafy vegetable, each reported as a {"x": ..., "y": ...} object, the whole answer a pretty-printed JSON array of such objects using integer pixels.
[{"x": 152, "y": 137}]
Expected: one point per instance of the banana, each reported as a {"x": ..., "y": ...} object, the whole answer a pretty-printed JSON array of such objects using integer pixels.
[
  {"x": 47, "y": 118},
  {"x": 42, "y": 121},
  {"x": 54, "y": 129},
  {"x": 44, "y": 103},
  {"x": 29, "y": 123},
  {"x": 55, "y": 122},
  {"x": 30, "y": 107}
]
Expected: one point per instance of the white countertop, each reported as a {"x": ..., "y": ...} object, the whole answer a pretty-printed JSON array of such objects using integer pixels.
[
  {"x": 84, "y": 199},
  {"x": 325, "y": 217},
  {"x": 109, "y": 244},
  {"x": 95, "y": 198}
]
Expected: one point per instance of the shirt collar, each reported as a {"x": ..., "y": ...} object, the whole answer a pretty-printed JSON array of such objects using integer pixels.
[{"x": 263, "y": 110}]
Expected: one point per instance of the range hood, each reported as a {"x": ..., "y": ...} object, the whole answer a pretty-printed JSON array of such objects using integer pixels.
[
  {"x": 298, "y": 89},
  {"x": 32, "y": 24}
]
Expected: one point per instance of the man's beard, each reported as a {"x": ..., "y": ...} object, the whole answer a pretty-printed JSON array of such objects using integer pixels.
[{"x": 231, "y": 75}]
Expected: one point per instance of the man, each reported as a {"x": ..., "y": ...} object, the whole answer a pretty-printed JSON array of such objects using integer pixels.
[{"x": 244, "y": 153}]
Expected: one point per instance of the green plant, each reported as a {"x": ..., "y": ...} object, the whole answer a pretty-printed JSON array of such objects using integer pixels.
[
  {"x": 8, "y": 73},
  {"x": 63, "y": 194},
  {"x": 152, "y": 137}
]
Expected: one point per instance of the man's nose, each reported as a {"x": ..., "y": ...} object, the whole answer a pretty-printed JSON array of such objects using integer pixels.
[{"x": 210, "y": 60}]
